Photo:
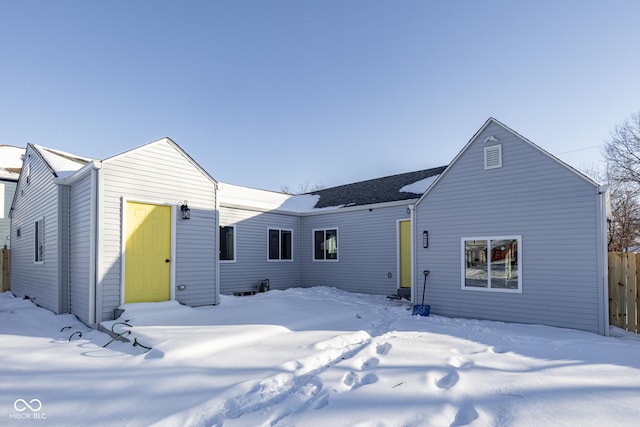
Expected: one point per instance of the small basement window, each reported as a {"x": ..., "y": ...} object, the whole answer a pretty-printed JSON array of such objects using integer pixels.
[
  {"x": 492, "y": 264},
  {"x": 493, "y": 156}
]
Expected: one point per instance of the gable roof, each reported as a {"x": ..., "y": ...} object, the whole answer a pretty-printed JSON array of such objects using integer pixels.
[
  {"x": 490, "y": 121},
  {"x": 10, "y": 162},
  {"x": 60, "y": 163},
  {"x": 404, "y": 186},
  {"x": 174, "y": 145}
]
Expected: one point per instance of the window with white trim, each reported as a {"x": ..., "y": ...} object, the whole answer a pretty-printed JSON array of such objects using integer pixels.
[
  {"x": 325, "y": 244},
  {"x": 492, "y": 263},
  {"x": 39, "y": 241},
  {"x": 279, "y": 242},
  {"x": 227, "y": 243}
]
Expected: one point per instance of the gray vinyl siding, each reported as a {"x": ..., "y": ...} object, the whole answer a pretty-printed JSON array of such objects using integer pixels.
[
  {"x": 532, "y": 195},
  {"x": 251, "y": 265},
  {"x": 7, "y": 188},
  {"x": 159, "y": 173},
  {"x": 34, "y": 201},
  {"x": 367, "y": 250},
  {"x": 80, "y": 250}
]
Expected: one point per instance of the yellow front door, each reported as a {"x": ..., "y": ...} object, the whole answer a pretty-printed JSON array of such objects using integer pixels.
[
  {"x": 405, "y": 253},
  {"x": 147, "y": 253}
]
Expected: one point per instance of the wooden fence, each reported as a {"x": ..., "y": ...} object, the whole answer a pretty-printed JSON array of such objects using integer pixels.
[
  {"x": 624, "y": 299},
  {"x": 4, "y": 269}
]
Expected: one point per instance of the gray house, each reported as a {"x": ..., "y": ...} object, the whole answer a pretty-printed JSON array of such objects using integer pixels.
[
  {"x": 507, "y": 231},
  {"x": 89, "y": 236},
  {"x": 354, "y": 237},
  {"x": 514, "y": 234}
]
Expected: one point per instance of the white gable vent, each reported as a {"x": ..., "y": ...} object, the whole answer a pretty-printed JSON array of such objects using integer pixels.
[{"x": 493, "y": 156}]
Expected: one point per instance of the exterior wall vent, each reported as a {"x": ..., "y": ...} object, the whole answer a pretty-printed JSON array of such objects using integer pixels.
[{"x": 493, "y": 156}]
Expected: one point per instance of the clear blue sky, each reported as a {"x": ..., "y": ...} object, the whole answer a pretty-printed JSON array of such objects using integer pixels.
[{"x": 273, "y": 93}]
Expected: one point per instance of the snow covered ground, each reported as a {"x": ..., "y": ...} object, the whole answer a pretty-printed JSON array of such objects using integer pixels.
[{"x": 310, "y": 357}]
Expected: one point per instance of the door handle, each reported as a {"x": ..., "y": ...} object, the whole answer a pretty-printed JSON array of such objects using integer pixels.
[{"x": 167, "y": 260}]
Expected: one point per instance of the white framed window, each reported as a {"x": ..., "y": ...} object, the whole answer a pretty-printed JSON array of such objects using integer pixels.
[
  {"x": 227, "y": 245},
  {"x": 325, "y": 244},
  {"x": 279, "y": 244},
  {"x": 39, "y": 241},
  {"x": 492, "y": 263}
]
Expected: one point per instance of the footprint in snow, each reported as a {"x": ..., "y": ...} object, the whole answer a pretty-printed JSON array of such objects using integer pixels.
[
  {"x": 448, "y": 381},
  {"x": 497, "y": 350},
  {"x": 382, "y": 349},
  {"x": 370, "y": 363},
  {"x": 460, "y": 362},
  {"x": 353, "y": 381},
  {"x": 349, "y": 379},
  {"x": 466, "y": 415}
]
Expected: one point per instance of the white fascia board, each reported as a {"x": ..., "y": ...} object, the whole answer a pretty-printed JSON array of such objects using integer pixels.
[
  {"x": 405, "y": 202},
  {"x": 323, "y": 211}
]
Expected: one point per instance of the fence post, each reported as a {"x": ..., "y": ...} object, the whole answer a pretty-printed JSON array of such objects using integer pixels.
[
  {"x": 629, "y": 290},
  {"x": 615, "y": 315},
  {"x": 5, "y": 269}
]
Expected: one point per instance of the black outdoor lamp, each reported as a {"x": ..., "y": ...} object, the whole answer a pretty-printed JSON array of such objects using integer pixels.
[{"x": 186, "y": 212}]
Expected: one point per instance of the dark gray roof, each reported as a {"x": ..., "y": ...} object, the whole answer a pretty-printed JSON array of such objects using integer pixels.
[{"x": 379, "y": 190}]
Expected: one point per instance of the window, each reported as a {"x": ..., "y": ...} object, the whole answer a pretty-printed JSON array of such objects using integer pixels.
[
  {"x": 279, "y": 244},
  {"x": 39, "y": 240},
  {"x": 325, "y": 244},
  {"x": 491, "y": 264},
  {"x": 227, "y": 243}
]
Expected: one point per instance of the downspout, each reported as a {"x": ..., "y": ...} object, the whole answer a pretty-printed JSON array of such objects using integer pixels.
[
  {"x": 603, "y": 264},
  {"x": 92, "y": 250},
  {"x": 97, "y": 207},
  {"x": 414, "y": 251},
  {"x": 217, "y": 243},
  {"x": 68, "y": 245}
]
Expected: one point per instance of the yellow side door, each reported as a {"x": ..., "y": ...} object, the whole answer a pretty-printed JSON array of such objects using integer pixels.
[
  {"x": 405, "y": 253},
  {"x": 147, "y": 253}
]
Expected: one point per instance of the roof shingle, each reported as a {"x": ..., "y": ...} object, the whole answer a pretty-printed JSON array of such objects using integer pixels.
[{"x": 378, "y": 190}]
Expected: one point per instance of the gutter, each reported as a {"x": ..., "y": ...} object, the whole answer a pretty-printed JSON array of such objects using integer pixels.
[
  {"x": 603, "y": 217},
  {"x": 320, "y": 211}
]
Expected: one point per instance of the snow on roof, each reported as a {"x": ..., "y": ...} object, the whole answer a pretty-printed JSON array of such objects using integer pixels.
[
  {"x": 62, "y": 163},
  {"x": 231, "y": 194},
  {"x": 420, "y": 186},
  {"x": 10, "y": 161},
  {"x": 246, "y": 196}
]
